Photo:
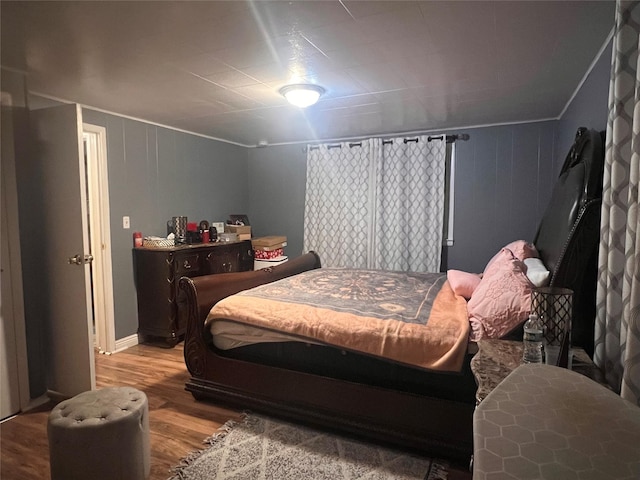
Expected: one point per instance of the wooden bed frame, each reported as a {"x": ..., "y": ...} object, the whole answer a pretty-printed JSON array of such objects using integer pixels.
[
  {"x": 412, "y": 420},
  {"x": 404, "y": 411}
]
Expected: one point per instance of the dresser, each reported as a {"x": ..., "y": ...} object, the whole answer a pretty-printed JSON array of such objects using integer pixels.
[{"x": 157, "y": 272}]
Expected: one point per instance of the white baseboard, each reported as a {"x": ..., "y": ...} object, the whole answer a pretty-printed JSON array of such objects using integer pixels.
[
  {"x": 126, "y": 342},
  {"x": 122, "y": 344}
]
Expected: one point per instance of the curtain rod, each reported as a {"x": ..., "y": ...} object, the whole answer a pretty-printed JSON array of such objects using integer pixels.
[
  {"x": 450, "y": 138},
  {"x": 447, "y": 138}
]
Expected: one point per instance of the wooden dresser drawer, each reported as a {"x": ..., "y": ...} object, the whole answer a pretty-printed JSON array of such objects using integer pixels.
[
  {"x": 224, "y": 259},
  {"x": 187, "y": 265}
]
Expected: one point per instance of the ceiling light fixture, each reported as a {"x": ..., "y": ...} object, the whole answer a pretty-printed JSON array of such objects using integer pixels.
[{"x": 302, "y": 95}]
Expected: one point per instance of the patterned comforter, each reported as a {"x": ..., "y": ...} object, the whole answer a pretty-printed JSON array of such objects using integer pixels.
[{"x": 411, "y": 318}]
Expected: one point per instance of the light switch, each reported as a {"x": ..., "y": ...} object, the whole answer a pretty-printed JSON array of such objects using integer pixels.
[{"x": 125, "y": 222}]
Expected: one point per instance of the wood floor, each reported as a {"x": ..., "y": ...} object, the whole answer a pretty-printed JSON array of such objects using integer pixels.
[{"x": 177, "y": 422}]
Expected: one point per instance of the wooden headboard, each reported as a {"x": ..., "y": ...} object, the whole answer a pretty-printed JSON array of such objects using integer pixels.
[{"x": 569, "y": 231}]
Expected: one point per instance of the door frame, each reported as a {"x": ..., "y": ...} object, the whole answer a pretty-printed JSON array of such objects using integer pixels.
[{"x": 95, "y": 138}]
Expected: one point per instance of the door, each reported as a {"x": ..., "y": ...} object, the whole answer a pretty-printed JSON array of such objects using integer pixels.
[{"x": 66, "y": 280}]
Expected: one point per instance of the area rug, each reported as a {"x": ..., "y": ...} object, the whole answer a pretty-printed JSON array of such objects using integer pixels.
[{"x": 259, "y": 447}]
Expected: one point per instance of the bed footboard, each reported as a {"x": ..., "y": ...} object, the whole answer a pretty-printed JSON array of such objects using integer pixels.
[{"x": 425, "y": 424}]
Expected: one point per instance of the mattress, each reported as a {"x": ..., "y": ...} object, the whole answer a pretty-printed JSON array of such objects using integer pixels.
[
  {"x": 228, "y": 334},
  {"x": 411, "y": 318}
]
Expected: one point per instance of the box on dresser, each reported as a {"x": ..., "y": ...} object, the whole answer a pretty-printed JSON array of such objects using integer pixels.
[
  {"x": 268, "y": 249},
  {"x": 266, "y": 263},
  {"x": 272, "y": 242},
  {"x": 243, "y": 231},
  {"x": 239, "y": 229},
  {"x": 157, "y": 272},
  {"x": 268, "y": 254}
]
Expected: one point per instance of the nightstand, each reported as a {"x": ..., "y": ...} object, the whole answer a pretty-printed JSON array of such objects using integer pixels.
[{"x": 496, "y": 359}]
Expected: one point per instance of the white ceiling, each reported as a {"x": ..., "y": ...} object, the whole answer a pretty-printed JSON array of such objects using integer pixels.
[{"x": 214, "y": 68}]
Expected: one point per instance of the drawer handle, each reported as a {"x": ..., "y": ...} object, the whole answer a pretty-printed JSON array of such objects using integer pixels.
[{"x": 186, "y": 264}]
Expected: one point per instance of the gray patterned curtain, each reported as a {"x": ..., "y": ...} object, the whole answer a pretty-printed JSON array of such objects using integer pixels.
[
  {"x": 617, "y": 331},
  {"x": 410, "y": 198},
  {"x": 376, "y": 206},
  {"x": 338, "y": 208}
]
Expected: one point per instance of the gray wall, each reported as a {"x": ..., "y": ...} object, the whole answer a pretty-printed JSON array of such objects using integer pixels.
[
  {"x": 154, "y": 174},
  {"x": 503, "y": 180},
  {"x": 589, "y": 107},
  {"x": 277, "y": 180}
]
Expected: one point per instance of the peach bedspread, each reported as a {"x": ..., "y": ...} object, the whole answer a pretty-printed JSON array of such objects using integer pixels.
[{"x": 411, "y": 318}]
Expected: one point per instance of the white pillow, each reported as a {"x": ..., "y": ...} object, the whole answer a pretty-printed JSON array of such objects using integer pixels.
[{"x": 537, "y": 273}]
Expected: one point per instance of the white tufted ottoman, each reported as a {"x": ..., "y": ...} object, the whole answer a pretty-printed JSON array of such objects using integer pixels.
[
  {"x": 545, "y": 423},
  {"x": 101, "y": 434}
]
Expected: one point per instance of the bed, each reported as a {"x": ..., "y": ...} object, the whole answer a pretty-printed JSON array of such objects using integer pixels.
[{"x": 389, "y": 389}]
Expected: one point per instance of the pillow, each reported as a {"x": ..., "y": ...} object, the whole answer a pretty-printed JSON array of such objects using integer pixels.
[
  {"x": 520, "y": 249},
  {"x": 537, "y": 273},
  {"x": 463, "y": 283},
  {"x": 502, "y": 300}
]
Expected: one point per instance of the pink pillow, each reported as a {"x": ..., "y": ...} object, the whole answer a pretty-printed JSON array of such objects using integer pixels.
[
  {"x": 502, "y": 300},
  {"x": 520, "y": 250},
  {"x": 463, "y": 283}
]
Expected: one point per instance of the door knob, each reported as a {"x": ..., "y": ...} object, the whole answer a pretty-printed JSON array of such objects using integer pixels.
[{"x": 80, "y": 259}]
